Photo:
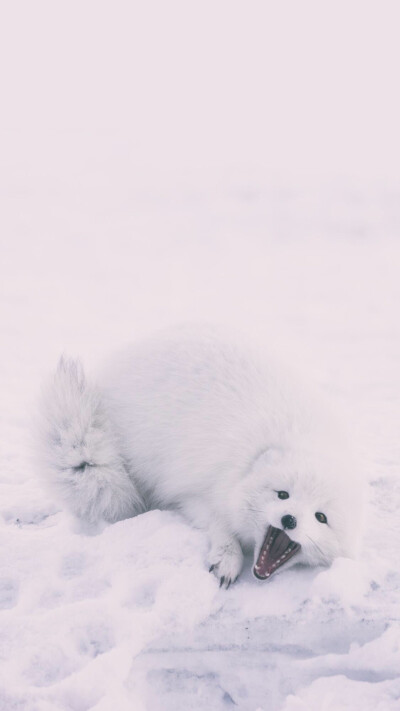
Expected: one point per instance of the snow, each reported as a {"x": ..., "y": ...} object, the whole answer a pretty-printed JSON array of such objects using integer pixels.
[{"x": 244, "y": 215}]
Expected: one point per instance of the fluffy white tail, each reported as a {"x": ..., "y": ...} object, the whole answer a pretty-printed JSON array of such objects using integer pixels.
[{"x": 79, "y": 454}]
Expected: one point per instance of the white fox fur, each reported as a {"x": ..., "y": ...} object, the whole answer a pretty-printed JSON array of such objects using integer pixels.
[{"x": 198, "y": 423}]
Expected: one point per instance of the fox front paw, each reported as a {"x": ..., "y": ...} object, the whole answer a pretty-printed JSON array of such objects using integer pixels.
[{"x": 226, "y": 562}]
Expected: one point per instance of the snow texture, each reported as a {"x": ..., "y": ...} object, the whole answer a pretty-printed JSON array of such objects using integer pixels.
[{"x": 186, "y": 213}]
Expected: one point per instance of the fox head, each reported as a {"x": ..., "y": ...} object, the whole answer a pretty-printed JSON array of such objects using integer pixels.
[{"x": 316, "y": 500}]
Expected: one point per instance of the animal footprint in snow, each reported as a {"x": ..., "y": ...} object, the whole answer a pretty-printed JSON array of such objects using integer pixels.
[
  {"x": 8, "y": 593},
  {"x": 74, "y": 564}
]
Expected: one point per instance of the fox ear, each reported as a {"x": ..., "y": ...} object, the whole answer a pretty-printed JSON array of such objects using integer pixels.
[
  {"x": 270, "y": 455},
  {"x": 273, "y": 455}
]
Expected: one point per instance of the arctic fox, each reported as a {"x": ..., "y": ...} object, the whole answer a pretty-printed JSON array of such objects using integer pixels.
[{"x": 196, "y": 422}]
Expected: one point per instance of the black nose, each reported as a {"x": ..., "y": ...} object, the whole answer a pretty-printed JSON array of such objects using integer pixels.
[{"x": 288, "y": 521}]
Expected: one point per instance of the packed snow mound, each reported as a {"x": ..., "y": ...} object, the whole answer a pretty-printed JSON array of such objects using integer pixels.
[{"x": 130, "y": 617}]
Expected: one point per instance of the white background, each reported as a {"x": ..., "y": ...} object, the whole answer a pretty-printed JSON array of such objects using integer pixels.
[{"x": 171, "y": 161}]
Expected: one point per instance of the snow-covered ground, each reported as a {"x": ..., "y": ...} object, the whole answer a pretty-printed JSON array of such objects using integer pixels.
[
  {"x": 252, "y": 181},
  {"x": 131, "y": 618}
]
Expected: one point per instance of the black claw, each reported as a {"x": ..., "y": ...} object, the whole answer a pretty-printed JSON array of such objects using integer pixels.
[
  {"x": 229, "y": 582},
  {"x": 221, "y": 582},
  {"x": 211, "y": 568}
]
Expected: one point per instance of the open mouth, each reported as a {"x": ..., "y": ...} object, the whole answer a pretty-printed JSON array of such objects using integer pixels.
[{"x": 276, "y": 550}]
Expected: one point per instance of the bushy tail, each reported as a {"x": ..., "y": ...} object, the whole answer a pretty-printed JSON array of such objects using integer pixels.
[{"x": 78, "y": 450}]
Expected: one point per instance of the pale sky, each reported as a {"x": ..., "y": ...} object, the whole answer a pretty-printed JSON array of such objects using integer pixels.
[{"x": 291, "y": 86}]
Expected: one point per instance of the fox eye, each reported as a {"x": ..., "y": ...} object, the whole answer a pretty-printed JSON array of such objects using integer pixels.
[
  {"x": 321, "y": 517},
  {"x": 282, "y": 494}
]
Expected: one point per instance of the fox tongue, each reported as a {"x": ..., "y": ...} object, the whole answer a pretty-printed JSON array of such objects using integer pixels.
[{"x": 275, "y": 551}]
